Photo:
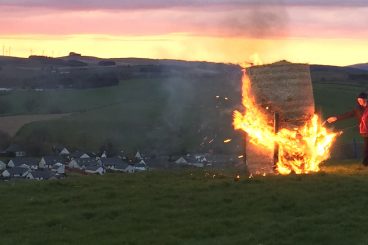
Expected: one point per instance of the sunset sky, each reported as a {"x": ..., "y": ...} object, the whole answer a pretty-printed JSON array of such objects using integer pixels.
[{"x": 335, "y": 32}]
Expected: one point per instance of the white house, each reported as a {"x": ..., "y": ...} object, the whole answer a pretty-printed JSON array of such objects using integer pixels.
[
  {"x": 2, "y": 165},
  {"x": 85, "y": 155},
  {"x": 79, "y": 154},
  {"x": 141, "y": 166},
  {"x": 104, "y": 155},
  {"x": 25, "y": 162},
  {"x": 5, "y": 174},
  {"x": 95, "y": 169},
  {"x": 191, "y": 161},
  {"x": 16, "y": 172},
  {"x": 41, "y": 175},
  {"x": 181, "y": 160},
  {"x": 123, "y": 167},
  {"x": 58, "y": 168},
  {"x": 110, "y": 162},
  {"x": 64, "y": 152},
  {"x": 82, "y": 163},
  {"x": 50, "y": 161},
  {"x": 138, "y": 155}
]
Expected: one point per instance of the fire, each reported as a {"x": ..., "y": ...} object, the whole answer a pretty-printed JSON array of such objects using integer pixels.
[{"x": 301, "y": 150}]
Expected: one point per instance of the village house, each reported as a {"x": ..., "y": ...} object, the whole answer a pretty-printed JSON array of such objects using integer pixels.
[
  {"x": 41, "y": 175},
  {"x": 191, "y": 161},
  {"x": 123, "y": 167},
  {"x": 79, "y": 154},
  {"x": 141, "y": 166},
  {"x": 110, "y": 162},
  {"x": 25, "y": 162},
  {"x": 2, "y": 165},
  {"x": 16, "y": 172},
  {"x": 95, "y": 169},
  {"x": 181, "y": 160},
  {"x": 61, "y": 150},
  {"x": 58, "y": 168},
  {"x": 14, "y": 151},
  {"x": 138, "y": 156},
  {"x": 50, "y": 161},
  {"x": 82, "y": 163},
  {"x": 64, "y": 152},
  {"x": 104, "y": 154}
]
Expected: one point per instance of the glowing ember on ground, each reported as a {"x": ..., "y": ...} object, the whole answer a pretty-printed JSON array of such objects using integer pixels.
[
  {"x": 237, "y": 177},
  {"x": 227, "y": 141},
  {"x": 301, "y": 150}
]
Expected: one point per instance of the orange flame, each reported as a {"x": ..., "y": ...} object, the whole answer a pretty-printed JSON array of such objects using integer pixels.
[{"x": 301, "y": 150}]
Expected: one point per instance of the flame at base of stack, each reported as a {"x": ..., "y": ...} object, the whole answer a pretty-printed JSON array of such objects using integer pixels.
[{"x": 300, "y": 149}]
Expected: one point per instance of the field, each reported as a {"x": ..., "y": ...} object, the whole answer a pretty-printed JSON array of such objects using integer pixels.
[
  {"x": 11, "y": 124},
  {"x": 149, "y": 114},
  {"x": 189, "y": 207}
]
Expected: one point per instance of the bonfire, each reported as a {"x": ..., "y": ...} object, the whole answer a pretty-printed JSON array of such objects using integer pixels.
[{"x": 301, "y": 150}]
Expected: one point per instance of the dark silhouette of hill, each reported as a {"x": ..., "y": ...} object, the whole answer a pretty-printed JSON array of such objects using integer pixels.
[{"x": 363, "y": 66}]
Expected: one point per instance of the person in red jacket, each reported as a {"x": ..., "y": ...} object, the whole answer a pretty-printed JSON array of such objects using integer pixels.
[{"x": 361, "y": 114}]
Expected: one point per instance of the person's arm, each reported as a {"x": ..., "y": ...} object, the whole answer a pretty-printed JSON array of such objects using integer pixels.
[{"x": 346, "y": 115}]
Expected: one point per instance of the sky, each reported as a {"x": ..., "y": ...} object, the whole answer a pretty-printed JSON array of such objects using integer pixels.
[{"x": 334, "y": 32}]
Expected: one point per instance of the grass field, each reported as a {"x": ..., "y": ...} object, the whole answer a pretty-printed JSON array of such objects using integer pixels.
[
  {"x": 11, "y": 124},
  {"x": 175, "y": 115},
  {"x": 189, "y": 207}
]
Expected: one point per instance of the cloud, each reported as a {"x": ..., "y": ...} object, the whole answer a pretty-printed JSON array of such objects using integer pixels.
[
  {"x": 253, "y": 21},
  {"x": 220, "y": 18},
  {"x": 163, "y": 4}
]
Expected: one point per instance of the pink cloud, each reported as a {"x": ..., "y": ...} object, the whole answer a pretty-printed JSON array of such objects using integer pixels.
[
  {"x": 161, "y": 4},
  {"x": 246, "y": 21}
]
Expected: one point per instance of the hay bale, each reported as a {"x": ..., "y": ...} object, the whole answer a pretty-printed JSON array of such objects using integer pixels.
[{"x": 285, "y": 88}]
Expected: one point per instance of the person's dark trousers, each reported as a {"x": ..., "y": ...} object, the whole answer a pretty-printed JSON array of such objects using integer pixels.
[{"x": 365, "y": 151}]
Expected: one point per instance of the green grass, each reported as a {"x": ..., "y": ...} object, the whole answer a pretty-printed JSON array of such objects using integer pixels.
[
  {"x": 189, "y": 207},
  {"x": 74, "y": 100},
  {"x": 165, "y": 115}
]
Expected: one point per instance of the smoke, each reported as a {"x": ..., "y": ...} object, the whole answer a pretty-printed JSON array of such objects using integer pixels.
[
  {"x": 172, "y": 128},
  {"x": 261, "y": 21}
]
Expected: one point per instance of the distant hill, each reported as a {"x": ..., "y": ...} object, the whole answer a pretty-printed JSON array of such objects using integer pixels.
[
  {"x": 77, "y": 71},
  {"x": 363, "y": 66},
  {"x": 351, "y": 76}
]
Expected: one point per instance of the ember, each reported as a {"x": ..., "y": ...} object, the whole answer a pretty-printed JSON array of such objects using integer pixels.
[
  {"x": 299, "y": 149},
  {"x": 227, "y": 141},
  {"x": 237, "y": 177}
]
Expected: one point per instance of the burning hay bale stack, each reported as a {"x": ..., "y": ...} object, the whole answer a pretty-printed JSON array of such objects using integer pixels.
[
  {"x": 284, "y": 91},
  {"x": 282, "y": 132},
  {"x": 284, "y": 88}
]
